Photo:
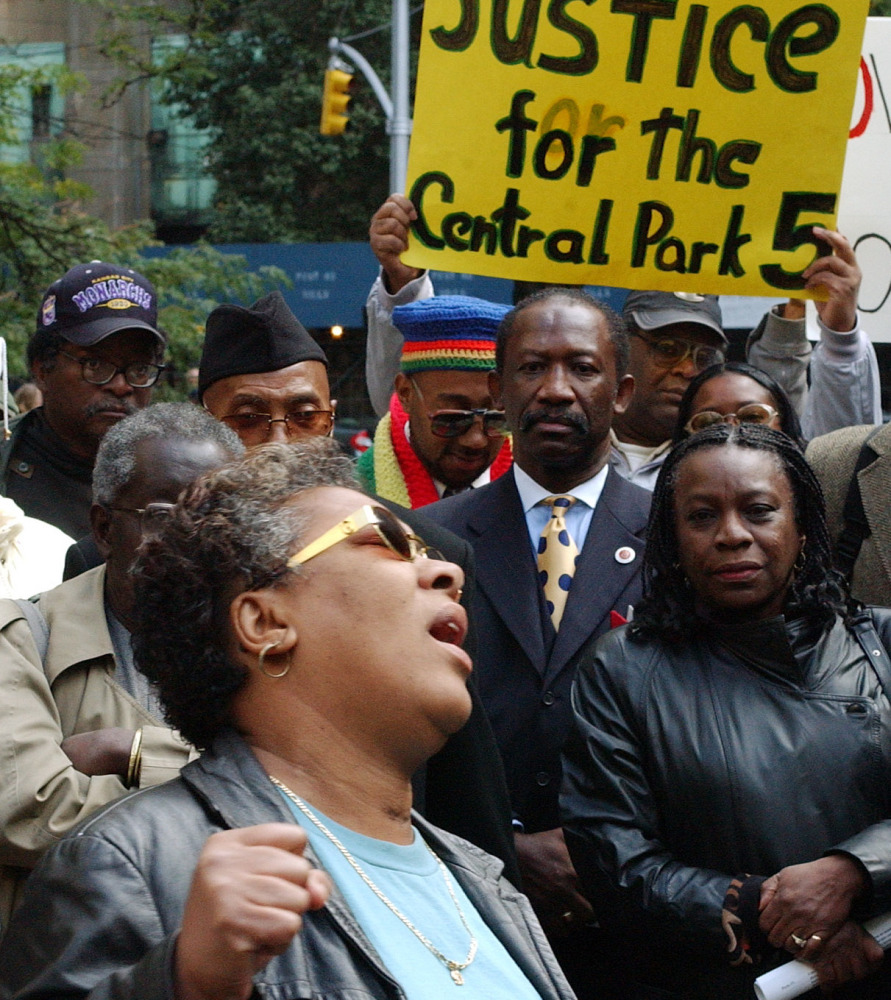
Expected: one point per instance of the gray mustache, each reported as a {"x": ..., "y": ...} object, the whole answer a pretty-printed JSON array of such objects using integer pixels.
[{"x": 107, "y": 406}]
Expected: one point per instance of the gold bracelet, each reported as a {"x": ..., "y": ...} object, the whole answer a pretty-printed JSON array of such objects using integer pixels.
[{"x": 134, "y": 765}]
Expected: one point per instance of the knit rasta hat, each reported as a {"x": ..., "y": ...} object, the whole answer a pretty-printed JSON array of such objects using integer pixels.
[
  {"x": 449, "y": 333},
  {"x": 263, "y": 338}
]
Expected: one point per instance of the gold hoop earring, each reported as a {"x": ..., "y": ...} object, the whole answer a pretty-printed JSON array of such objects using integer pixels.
[{"x": 261, "y": 665}]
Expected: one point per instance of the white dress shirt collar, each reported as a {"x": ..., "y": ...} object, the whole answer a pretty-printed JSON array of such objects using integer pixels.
[{"x": 531, "y": 493}]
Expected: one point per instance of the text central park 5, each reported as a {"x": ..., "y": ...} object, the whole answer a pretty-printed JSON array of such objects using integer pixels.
[{"x": 551, "y": 142}]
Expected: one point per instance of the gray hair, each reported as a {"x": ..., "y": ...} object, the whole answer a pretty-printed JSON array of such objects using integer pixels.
[
  {"x": 231, "y": 532},
  {"x": 116, "y": 458}
]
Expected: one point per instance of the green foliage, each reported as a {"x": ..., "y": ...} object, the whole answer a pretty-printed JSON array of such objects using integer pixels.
[
  {"x": 880, "y": 8},
  {"x": 44, "y": 232},
  {"x": 128, "y": 24},
  {"x": 190, "y": 282},
  {"x": 252, "y": 72}
]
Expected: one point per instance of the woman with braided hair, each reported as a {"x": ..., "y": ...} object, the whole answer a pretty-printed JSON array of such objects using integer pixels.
[{"x": 727, "y": 792}]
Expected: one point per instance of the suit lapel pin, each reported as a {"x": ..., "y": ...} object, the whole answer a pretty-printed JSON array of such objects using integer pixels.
[{"x": 625, "y": 555}]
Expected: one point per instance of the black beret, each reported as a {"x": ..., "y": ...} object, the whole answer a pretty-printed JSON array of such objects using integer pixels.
[{"x": 263, "y": 338}]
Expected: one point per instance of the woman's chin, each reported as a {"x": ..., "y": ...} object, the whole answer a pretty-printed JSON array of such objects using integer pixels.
[{"x": 455, "y": 715}]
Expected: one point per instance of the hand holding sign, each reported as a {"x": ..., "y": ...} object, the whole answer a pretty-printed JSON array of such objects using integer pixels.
[
  {"x": 840, "y": 275},
  {"x": 677, "y": 146},
  {"x": 388, "y": 235}
]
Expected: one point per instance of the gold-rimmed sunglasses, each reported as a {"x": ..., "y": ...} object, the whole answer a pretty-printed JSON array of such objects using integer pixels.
[
  {"x": 298, "y": 423},
  {"x": 407, "y": 546},
  {"x": 670, "y": 351},
  {"x": 751, "y": 413}
]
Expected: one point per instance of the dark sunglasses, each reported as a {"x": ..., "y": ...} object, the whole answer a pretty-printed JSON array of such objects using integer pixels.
[{"x": 454, "y": 423}]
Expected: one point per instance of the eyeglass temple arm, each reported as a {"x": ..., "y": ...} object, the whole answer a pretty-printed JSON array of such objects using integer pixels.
[{"x": 348, "y": 526}]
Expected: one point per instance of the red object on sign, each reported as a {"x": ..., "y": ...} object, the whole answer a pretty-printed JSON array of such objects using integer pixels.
[{"x": 860, "y": 127}]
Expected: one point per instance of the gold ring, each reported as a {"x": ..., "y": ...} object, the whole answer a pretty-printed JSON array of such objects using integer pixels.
[{"x": 799, "y": 942}]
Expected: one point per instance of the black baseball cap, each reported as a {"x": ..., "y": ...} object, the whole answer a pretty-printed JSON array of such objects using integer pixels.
[
  {"x": 92, "y": 301},
  {"x": 653, "y": 310}
]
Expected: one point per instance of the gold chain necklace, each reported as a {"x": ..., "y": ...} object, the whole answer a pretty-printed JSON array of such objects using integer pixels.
[{"x": 455, "y": 968}]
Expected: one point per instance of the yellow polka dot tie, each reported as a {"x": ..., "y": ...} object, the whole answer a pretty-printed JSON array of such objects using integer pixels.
[{"x": 557, "y": 556}]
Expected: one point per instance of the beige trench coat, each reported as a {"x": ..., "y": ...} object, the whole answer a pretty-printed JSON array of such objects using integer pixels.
[{"x": 42, "y": 796}]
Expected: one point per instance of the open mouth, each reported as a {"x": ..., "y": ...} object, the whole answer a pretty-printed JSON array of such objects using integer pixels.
[
  {"x": 450, "y": 628},
  {"x": 450, "y": 625}
]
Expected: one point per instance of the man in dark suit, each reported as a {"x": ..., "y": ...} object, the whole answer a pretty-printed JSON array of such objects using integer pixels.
[{"x": 560, "y": 376}]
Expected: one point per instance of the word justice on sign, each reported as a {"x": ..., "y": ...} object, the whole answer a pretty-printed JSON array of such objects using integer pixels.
[{"x": 781, "y": 41}]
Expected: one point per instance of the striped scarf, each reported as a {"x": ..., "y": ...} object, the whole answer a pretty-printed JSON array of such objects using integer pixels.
[{"x": 392, "y": 470}]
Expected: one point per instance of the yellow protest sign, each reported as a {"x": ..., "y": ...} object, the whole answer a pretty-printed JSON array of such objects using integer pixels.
[{"x": 642, "y": 143}]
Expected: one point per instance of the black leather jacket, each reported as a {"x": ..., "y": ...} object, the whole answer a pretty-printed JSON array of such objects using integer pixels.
[
  {"x": 100, "y": 913},
  {"x": 740, "y": 751}
]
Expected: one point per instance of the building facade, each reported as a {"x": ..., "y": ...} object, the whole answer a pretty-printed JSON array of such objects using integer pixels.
[{"x": 140, "y": 160}]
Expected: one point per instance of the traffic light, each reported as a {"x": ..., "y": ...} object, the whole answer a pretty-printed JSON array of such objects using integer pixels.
[{"x": 335, "y": 98}]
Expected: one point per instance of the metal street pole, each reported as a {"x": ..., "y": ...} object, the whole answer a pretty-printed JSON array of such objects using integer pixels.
[{"x": 399, "y": 125}]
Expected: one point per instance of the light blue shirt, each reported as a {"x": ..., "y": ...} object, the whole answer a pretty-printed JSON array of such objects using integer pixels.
[
  {"x": 410, "y": 876},
  {"x": 578, "y": 517}
]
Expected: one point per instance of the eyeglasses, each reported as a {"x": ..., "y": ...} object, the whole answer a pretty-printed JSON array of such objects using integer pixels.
[
  {"x": 394, "y": 536},
  {"x": 300, "y": 423},
  {"x": 151, "y": 517},
  {"x": 98, "y": 372},
  {"x": 454, "y": 423},
  {"x": 752, "y": 413},
  {"x": 670, "y": 351}
]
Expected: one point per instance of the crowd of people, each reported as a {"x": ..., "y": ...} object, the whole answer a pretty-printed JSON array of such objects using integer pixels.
[{"x": 576, "y": 684}]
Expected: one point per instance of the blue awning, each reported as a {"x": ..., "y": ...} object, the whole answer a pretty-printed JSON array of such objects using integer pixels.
[{"x": 331, "y": 283}]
